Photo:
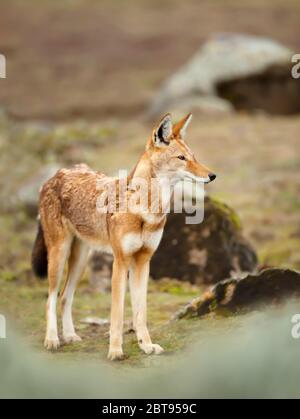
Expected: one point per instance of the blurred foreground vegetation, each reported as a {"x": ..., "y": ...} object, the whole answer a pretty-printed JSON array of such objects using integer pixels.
[{"x": 256, "y": 359}]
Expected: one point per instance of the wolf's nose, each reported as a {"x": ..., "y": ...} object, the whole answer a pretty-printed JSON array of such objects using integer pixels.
[{"x": 212, "y": 176}]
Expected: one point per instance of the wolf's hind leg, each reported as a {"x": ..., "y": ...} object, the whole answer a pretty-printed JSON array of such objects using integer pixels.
[
  {"x": 57, "y": 255},
  {"x": 77, "y": 262}
]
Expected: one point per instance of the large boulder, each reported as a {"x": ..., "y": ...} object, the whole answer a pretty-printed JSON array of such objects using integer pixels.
[
  {"x": 241, "y": 294},
  {"x": 233, "y": 71},
  {"x": 203, "y": 253}
]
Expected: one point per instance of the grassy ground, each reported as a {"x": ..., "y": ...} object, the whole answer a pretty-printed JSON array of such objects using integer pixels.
[{"x": 24, "y": 304}]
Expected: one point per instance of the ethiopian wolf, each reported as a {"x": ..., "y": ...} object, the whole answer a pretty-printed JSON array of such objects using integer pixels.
[{"x": 71, "y": 223}]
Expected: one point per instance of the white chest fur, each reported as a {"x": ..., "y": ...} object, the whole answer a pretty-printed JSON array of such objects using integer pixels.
[
  {"x": 152, "y": 238},
  {"x": 133, "y": 242}
]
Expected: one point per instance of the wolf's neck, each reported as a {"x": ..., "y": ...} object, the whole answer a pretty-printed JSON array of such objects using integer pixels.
[
  {"x": 144, "y": 169},
  {"x": 157, "y": 184}
]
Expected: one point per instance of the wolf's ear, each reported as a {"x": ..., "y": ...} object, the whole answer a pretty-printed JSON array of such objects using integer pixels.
[
  {"x": 161, "y": 135},
  {"x": 179, "y": 129}
]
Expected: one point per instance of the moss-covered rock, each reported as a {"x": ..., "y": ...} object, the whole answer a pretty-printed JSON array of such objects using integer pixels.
[
  {"x": 241, "y": 294},
  {"x": 204, "y": 253}
]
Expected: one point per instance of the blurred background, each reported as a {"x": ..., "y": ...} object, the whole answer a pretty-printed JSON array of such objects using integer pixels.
[{"x": 86, "y": 82}]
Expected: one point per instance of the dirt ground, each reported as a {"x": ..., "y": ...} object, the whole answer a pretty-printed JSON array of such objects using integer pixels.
[{"x": 79, "y": 77}]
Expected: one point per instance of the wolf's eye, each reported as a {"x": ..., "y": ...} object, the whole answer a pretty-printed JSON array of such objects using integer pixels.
[{"x": 181, "y": 157}]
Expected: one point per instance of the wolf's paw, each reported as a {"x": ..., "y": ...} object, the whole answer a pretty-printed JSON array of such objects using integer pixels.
[
  {"x": 72, "y": 338},
  {"x": 51, "y": 344},
  {"x": 151, "y": 348},
  {"x": 116, "y": 355}
]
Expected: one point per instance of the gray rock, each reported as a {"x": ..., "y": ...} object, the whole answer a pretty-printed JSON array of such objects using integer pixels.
[
  {"x": 28, "y": 193},
  {"x": 95, "y": 321},
  {"x": 241, "y": 294},
  {"x": 100, "y": 271},
  {"x": 225, "y": 59}
]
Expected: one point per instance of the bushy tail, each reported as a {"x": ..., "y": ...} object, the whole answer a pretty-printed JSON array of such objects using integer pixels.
[{"x": 39, "y": 259}]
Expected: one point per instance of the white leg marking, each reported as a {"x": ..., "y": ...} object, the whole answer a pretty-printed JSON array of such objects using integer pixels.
[
  {"x": 138, "y": 278},
  {"x": 81, "y": 252},
  {"x": 51, "y": 339},
  {"x": 119, "y": 280}
]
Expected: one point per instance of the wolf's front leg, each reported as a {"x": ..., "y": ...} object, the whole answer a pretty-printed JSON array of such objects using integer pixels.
[
  {"x": 139, "y": 275},
  {"x": 119, "y": 279}
]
